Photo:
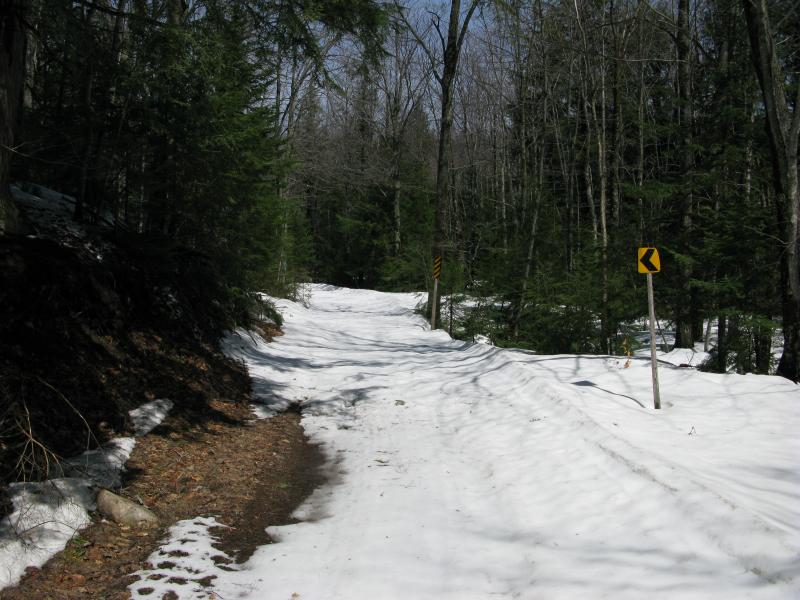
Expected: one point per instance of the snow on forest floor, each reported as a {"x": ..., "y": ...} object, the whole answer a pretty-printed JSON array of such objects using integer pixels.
[
  {"x": 47, "y": 514},
  {"x": 637, "y": 333},
  {"x": 463, "y": 471}
]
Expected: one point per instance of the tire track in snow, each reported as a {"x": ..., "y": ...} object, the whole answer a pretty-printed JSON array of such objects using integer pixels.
[
  {"x": 487, "y": 478},
  {"x": 646, "y": 464},
  {"x": 713, "y": 526}
]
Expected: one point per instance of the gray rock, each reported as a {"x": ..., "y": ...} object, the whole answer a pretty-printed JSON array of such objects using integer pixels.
[{"x": 125, "y": 512}]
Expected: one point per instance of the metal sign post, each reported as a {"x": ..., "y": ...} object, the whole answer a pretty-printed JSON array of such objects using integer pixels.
[
  {"x": 649, "y": 262},
  {"x": 653, "y": 356}
]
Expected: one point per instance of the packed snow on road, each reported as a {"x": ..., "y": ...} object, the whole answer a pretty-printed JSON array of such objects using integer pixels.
[{"x": 461, "y": 471}]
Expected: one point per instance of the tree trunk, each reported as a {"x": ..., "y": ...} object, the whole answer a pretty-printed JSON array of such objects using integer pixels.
[
  {"x": 452, "y": 50},
  {"x": 33, "y": 17},
  {"x": 722, "y": 345},
  {"x": 396, "y": 195},
  {"x": 762, "y": 344},
  {"x": 616, "y": 166},
  {"x": 12, "y": 80},
  {"x": 535, "y": 216},
  {"x": 686, "y": 309},
  {"x": 783, "y": 127},
  {"x": 587, "y": 166},
  {"x": 640, "y": 127},
  {"x": 176, "y": 11},
  {"x": 602, "y": 170},
  {"x": 504, "y": 199}
]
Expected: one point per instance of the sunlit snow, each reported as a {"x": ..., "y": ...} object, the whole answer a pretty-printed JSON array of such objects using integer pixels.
[{"x": 460, "y": 470}]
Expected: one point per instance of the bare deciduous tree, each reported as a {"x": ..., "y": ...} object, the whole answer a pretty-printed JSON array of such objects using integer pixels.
[{"x": 783, "y": 125}]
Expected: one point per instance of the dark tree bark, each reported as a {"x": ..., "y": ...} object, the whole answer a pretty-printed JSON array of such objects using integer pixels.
[
  {"x": 722, "y": 344},
  {"x": 176, "y": 12},
  {"x": 686, "y": 310},
  {"x": 455, "y": 39},
  {"x": 12, "y": 80},
  {"x": 783, "y": 126}
]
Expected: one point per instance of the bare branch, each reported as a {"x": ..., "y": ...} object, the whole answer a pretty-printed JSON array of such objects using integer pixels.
[
  {"x": 465, "y": 24},
  {"x": 434, "y": 61},
  {"x": 436, "y": 20}
]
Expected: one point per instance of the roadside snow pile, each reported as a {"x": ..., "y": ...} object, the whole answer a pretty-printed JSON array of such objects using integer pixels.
[
  {"x": 465, "y": 471},
  {"x": 149, "y": 416},
  {"x": 103, "y": 466},
  {"x": 186, "y": 564},
  {"x": 688, "y": 357},
  {"x": 47, "y": 208},
  {"x": 47, "y": 514},
  {"x": 50, "y": 214}
]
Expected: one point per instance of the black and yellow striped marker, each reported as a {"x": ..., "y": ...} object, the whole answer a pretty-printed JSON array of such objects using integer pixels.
[
  {"x": 437, "y": 267},
  {"x": 649, "y": 261}
]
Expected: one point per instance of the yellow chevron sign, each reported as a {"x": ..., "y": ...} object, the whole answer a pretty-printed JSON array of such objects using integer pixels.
[{"x": 649, "y": 261}]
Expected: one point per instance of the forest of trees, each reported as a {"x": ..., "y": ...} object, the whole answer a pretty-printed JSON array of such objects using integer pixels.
[{"x": 534, "y": 144}]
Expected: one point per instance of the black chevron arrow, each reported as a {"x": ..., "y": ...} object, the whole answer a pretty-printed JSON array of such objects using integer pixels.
[{"x": 645, "y": 260}]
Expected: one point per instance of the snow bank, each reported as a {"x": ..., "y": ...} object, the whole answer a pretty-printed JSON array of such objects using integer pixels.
[
  {"x": 148, "y": 416},
  {"x": 188, "y": 557},
  {"x": 51, "y": 214},
  {"x": 684, "y": 357},
  {"x": 47, "y": 514}
]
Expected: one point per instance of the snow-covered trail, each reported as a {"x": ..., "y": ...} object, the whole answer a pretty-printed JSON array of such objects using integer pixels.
[{"x": 466, "y": 471}]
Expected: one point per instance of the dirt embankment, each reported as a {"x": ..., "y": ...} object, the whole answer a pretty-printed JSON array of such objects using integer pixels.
[
  {"x": 82, "y": 341},
  {"x": 249, "y": 474}
]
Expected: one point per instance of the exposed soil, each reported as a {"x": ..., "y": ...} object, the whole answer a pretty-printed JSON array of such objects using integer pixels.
[
  {"x": 83, "y": 339},
  {"x": 248, "y": 473}
]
